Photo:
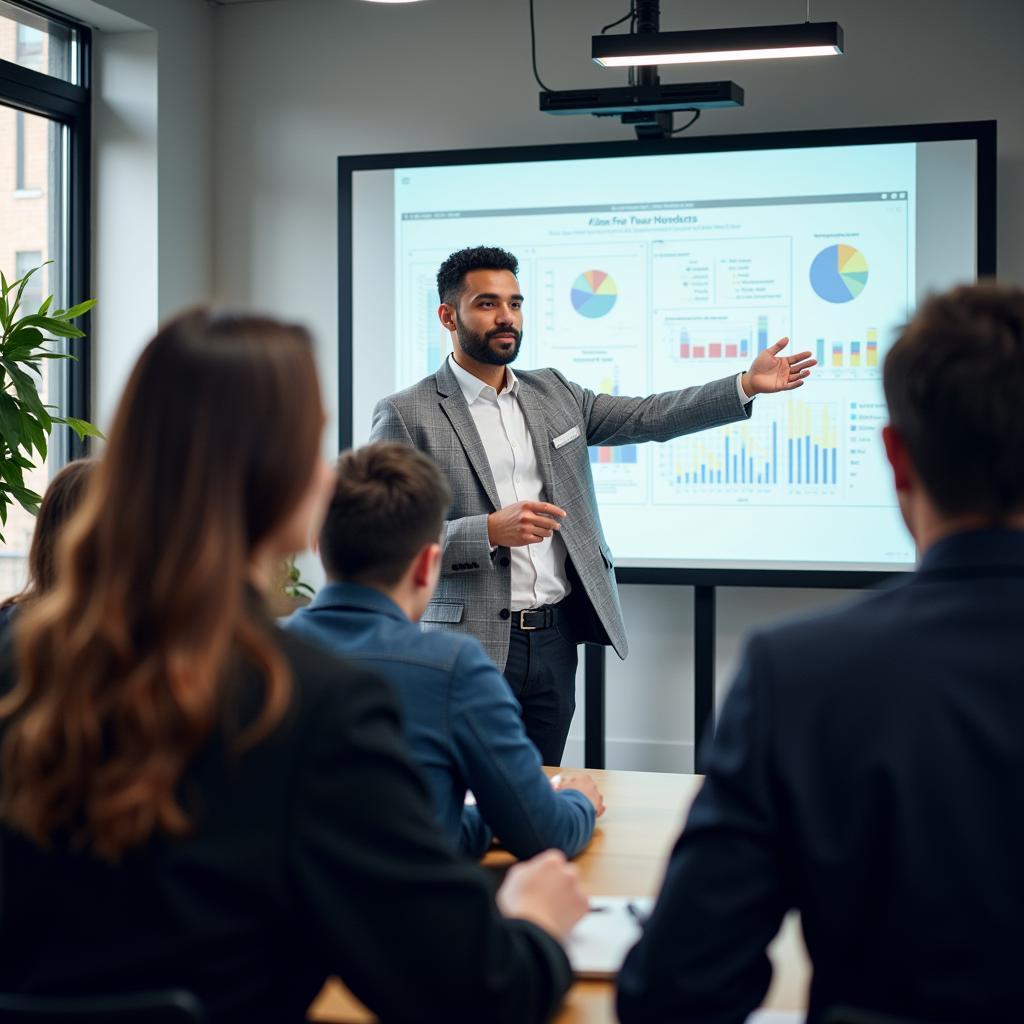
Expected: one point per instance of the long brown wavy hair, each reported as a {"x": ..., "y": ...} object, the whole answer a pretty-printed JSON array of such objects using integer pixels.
[
  {"x": 121, "y": 665},
  {"x": 62, "y": 499}
]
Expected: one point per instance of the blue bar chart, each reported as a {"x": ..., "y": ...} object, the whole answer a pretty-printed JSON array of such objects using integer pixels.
[{"x": 795, "y": 451}]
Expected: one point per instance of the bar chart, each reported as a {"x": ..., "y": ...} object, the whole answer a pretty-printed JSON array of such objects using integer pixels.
[
  {"x": 848, "y": 357},
  {"x": 715, "y": 338},
  {"x": 768, "y": 458},
  {"x": 606, "y": 455}
]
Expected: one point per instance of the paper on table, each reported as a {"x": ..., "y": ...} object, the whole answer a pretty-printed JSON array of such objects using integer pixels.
[{"x": 600, "y": 941}]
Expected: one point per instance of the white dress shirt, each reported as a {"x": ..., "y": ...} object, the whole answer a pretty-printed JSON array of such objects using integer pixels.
[{"x": 538, "y": 570}]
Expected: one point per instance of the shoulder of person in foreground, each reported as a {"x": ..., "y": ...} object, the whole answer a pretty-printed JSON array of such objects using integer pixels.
[{"x": 378, "y": 883}]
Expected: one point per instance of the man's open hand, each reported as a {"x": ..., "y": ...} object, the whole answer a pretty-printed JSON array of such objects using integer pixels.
[
  {"x": 771, "y": 372},
  {"x": 525, "y": 522}
]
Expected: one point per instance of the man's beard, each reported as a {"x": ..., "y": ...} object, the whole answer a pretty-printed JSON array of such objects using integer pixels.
[{"x": 478, "y": 346}]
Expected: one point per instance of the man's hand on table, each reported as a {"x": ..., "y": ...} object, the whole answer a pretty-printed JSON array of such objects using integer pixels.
[
  {"x": 585, "y": 784},
  {"x": 546, "y": 891}
]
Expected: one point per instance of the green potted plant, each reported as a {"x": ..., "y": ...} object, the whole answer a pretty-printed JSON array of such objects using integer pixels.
[{"x": 25, "y": 421}]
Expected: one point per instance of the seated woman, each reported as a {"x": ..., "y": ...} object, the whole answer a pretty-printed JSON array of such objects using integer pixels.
[
  {"x": 61, "y": 500},
  {"x": 192, "y": 798}
]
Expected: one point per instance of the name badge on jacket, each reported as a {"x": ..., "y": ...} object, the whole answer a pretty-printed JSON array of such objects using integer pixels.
[{"x": 563, "y": 439}]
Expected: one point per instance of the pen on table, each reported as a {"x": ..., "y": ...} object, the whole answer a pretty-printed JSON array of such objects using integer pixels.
[{"x": 636, "y": 913}]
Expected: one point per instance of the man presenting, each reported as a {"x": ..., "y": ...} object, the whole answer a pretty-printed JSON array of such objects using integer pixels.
[{"x": 526, "y": 568}]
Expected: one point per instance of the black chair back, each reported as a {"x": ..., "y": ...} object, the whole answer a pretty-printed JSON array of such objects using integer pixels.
[
  {"x": 852, "y": 1015},
  {"x": 171, "y": 1006}
]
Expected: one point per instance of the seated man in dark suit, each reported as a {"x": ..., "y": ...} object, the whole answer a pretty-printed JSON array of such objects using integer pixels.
[
  {"x": 380, "y": 548},
  {"x": 868, "y": 768}
]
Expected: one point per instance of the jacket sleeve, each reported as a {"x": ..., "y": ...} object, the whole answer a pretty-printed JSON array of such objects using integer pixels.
[
  {"x": 388, "y": 897},
  {"x": 615, "y": 419},
  {"x": 502, "y": 767},
  {"x": 703, "y": 955},
  {"x": 465, "y": 540},
  {"x": 474, "y": 835}
]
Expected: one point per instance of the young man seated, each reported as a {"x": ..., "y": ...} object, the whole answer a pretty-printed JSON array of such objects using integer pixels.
[{"x": 380, "y": 548}]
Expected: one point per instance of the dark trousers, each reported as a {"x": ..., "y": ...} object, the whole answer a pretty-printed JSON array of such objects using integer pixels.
[{"x": 541, "y": 669}]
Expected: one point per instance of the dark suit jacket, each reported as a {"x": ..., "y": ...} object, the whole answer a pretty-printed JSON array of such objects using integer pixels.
[
  {"x": 316, "y": 853},
  {"x": 868, "y": 770}
]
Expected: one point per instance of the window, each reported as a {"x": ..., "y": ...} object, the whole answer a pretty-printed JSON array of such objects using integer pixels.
[
  {"x": 32, "y": 297},
  {"x": 44, "y": 202},
  {"x": 29, "y": 47}
]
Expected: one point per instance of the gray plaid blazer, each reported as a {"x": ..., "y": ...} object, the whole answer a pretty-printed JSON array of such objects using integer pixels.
[{"x": 474, "y": 592}]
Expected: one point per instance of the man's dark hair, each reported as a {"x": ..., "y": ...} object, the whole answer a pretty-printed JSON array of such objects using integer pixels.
[
  {"x": 954, "y": 383},
  {"x": 452, "y": 274},
  {"x": 389, "y": 501}
]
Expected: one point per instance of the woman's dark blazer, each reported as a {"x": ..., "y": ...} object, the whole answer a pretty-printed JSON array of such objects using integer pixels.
[{"x": 314, "y": 853}]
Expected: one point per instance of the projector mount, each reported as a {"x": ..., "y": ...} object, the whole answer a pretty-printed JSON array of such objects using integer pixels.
[{"x": 645, "y": 103}]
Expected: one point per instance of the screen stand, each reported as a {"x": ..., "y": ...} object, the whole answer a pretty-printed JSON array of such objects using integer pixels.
[
  {"x": 703, "y": 684},
  {"x": 593, "y": 722},
  {"x": 703, "y": 669}
]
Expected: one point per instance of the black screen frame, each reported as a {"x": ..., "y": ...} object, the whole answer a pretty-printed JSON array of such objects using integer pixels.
[{"x": 983, "y": 133}]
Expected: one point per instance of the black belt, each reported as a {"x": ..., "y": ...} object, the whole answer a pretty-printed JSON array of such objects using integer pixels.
[{"x": 530, "y": 619}]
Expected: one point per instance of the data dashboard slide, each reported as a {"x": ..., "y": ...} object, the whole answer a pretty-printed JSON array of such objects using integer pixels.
[{"x": 651, "y": 274}]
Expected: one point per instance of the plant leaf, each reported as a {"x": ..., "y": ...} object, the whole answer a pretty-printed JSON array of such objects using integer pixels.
[
  {"x": 21, "y": 286},
  {"x": 27, "y": 392},
  {"x": 77, "y": 311},
  {"x": 51, "y": 325},
  {"x": 81, "y": 427},
  {"x": 11, "y": 472},
  {"x": 13, "y": 424},
  {"x": 27, "y": 499},
  {"x": 36, "y": 434}
]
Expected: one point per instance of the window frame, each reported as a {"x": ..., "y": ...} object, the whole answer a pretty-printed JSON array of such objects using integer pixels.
[{"x": 35, "y": 92}]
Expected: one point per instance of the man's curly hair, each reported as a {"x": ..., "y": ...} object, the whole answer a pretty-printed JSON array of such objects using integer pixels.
[{"x": 452, "y": 273}]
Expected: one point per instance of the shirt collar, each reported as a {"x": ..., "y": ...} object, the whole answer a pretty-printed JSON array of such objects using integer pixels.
[
  {"x": 354, "y": 595},
  {"x": 473, "y": 387}
]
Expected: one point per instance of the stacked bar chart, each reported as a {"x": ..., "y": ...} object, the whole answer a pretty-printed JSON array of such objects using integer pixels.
[
  {"x": 812, "y": 444},
  {"x": 715, "y": 339},
  {"x": 739, "y": 458},
  {"x": 609, "y": 455},
  {"x": 767, "y": 459},
  {"x": 839, "y": 358}
]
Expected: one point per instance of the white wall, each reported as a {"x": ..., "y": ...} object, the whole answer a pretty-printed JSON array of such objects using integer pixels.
[
  {"x": 302, "y": 81},
  {"x": 295, "y": 83},
  {"x": 152, "y": 173}
]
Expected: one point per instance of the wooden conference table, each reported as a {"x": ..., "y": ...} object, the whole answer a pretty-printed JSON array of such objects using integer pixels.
[{"x": 626, "y": 857}]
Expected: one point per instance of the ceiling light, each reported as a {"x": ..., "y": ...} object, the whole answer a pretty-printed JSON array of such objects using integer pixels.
[{"x": 809, "y": 39}]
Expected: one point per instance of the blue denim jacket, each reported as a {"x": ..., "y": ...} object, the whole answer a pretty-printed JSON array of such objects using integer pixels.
[{"x": 461, "y": 722}]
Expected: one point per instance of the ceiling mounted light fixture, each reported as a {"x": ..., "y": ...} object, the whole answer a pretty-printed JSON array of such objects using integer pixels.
[{"x": 767, "y": 42}]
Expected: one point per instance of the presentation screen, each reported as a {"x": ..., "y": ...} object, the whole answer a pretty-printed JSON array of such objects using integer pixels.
[{"x": 651, "y": 269}]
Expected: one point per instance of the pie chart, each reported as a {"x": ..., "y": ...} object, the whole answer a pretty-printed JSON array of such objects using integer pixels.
[
  {"x": 594, "y": 294},
  {"x": 839, "y": 273}
]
